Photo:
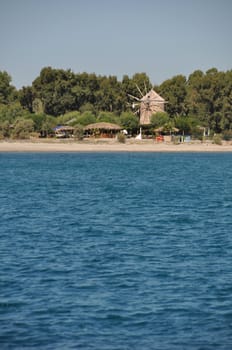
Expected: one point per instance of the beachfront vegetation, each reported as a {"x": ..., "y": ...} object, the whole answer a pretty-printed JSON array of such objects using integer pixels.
[{"x": 57, "y": 96}]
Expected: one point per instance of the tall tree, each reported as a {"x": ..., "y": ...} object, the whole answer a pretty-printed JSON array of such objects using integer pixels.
[
  {"x": 7, "y": 91},
  {"x": 209, "y": 98},
  {"x": 174, "y": 91},
  {"x": 107, "y": 95},
  {"x": 54, "y": 88},
  {"x": 26, "y": 98}
]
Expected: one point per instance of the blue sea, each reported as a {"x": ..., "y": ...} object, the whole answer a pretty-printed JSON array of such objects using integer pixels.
[{"x": 116, "y": 251}]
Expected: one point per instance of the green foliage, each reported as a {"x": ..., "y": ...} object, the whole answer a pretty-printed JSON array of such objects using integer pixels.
[
  {"x": 54, "y": 87},
  {"x": 168, "y": 127},
  {"x": 47, "y": 126},
  {"x": 78, "y": 132},
  {"x": 227, "y": 135},
  {"x": 121, "y": 137},
  {"x": 37, "y": 106},
  {"x": 175, "y": 91},
  {"x": 39, "y": 120},
  {"x": 69, "y": 118},
  {"x": 7, "y": 91},
  {"x": 186, "y": 124},
  {"x": 197, "y": 133},
  {"x": 87, "y": 107},
  {"x": 203, "y": 99},
  {"x": 107, "y": 117},
  {"x": 22, "y": 128},
  {"x": 5, "y": 129},
  {"x": 209, "y": 98},
  {"x": 217, "y": 139},
  {"x": 86, "y": 118},
  {"x": 159, "y": 119},
  {"x": 26, "y": 97},
  {"x": 129, "y": 121},
  {"x": 11, "y": 112}
]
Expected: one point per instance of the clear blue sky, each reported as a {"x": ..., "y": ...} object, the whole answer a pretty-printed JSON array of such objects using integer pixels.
[{"x": 162, "y": 38}]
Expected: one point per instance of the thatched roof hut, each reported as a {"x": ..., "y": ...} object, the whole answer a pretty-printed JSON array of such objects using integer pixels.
[
  {"x": 103, "y": 126},
  {"x": 64, "y": 128},
  {"x": 103, "y": 129},
  {"x": 63, "y": 131}
]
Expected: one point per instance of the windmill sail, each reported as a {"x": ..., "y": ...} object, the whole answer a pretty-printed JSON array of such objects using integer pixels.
[{"x": 149, "y": 104}]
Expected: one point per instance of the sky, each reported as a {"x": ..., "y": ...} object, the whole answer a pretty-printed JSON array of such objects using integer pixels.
[{"x": 162, "y": 38}]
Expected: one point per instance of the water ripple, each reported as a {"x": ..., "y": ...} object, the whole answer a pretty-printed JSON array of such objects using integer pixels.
[{"x": 123, "y": 251}]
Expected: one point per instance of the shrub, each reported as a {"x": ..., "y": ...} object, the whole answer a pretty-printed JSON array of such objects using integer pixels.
[
  {"x": 227, "y": 135},
  {"x": 129, "y": 121},
  {"x": 78, "y": 132},
  {"x": 121, "y": 137},
  {"x": 86, "y": 118},
  {"x": 217, "y": 139},
  {"x": 158, "y": 119},
  {"x": 22, "y": 128},
  {"x": 4, "y": 129}
]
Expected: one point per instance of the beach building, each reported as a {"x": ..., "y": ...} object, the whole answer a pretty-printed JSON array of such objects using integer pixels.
[
  {"x": 102, "y": 129},
  {"x": 63, "y": 131}
]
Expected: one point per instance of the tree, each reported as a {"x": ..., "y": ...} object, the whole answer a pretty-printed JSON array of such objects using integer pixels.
[
  {"x": 159, "y": 119},
  {"x": 226, "y": 98},
  {"x": 107, "y": 97},
  {"x": 54, "y": 88},
  {"x": 209, "y": 98},
  {"x": 4, "y": 129},
  {"x": 205, "y": 97},
  {"x": 186, "y": 124},
  {"x": 85, "y": 87},
  {"x": 87, "y": 107},
  {"x": 194, "y": 103},
  {"x": 174, "y": 91},
  {"x": 22, "y": 128},
  {"x": 11, "y": 112},
  {"x": 70, "y": 118},
  {"x": 47, "y": 126},
  {"x": 38, "y": 120},
  {"x": 26, "y": 97},
  {"x": 141, "y": 81},
  {"x": 129, "y": 121},
  {"x": 78, "y": 132},
  {"x": 86, "y": 118},
  {"x": 7, "y": 91},
  {"x": 107, "y": 117},
  {"x": 37, "y": 106}
]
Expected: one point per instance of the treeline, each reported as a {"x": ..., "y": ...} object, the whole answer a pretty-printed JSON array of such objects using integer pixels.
[{"x": 61, "y": 96}]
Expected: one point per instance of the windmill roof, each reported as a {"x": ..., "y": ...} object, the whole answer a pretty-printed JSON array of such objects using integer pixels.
[{"x": 152, "y": 94}]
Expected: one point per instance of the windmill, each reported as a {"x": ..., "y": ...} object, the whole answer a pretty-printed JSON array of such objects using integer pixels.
[{"x": 147, "y": 104}]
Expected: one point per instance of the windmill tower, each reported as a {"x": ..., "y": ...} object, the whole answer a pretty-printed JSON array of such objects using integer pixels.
[{"x": 147, "y": 105}]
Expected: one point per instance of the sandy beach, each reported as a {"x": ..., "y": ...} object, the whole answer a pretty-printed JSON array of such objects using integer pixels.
[{"x": 108, "y": 146}]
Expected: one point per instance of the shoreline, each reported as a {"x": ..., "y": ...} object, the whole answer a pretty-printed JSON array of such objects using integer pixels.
[{"x": 107, "y": 146}]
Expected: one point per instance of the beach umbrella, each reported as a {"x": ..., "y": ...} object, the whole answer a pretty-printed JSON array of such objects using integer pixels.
[{"x": 166, "y": 129}]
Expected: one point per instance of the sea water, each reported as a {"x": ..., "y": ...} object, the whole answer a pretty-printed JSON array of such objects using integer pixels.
[{"x": 116, "y": 251}]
